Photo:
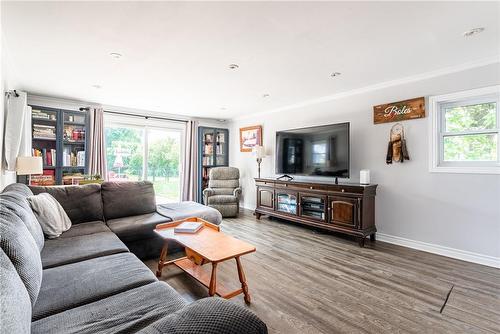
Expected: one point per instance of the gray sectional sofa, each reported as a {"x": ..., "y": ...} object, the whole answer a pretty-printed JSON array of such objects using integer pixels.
[
  {"x": 129, "y": 210},
  {"x": 87, "y": 280}
]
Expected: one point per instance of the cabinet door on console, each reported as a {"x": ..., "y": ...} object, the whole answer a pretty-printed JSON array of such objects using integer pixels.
[
  {"x": 312, "y": 206},
  {"x": 343, "y": 211},
  {"x": 265, "y": 198},
  {"x": 287, "y": 202}
]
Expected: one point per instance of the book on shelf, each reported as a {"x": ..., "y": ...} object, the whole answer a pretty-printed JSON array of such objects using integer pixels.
[
  {"x": 80, "y": 158},
  {"x": 208, "y": 138},
  {"x": 208, "y": 149},
  {"x": 220, "y": 138},
  {"x": 74, "y": 133},
  {"x": 73, "y": 159},
  {"x": 46, "y": 179},
  {"x": 208, "y": 161},
  {"x": 72, "y": 178},
  {"x": 45, "y": 157},
  {"x": 53, "y": 153},
  {"x": 48, "y": 155},
  {"x": 38, "y": 114},
  {"x": 44, "y": 131}
]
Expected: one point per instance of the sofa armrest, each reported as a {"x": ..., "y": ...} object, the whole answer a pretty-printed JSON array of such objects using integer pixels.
[
  {"x": 209, "y": 316},
  {"x": 237, "y": 192}
]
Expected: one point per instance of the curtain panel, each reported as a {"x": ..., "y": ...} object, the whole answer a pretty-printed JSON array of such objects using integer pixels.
[
  {"x": 96, "y": 151},
  {"x": 189, "y": 186},
  {"x": 17, "y": 130}
]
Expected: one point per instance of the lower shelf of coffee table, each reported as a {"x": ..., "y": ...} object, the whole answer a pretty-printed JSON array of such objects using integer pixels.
[{"x": 203, "y": 276}]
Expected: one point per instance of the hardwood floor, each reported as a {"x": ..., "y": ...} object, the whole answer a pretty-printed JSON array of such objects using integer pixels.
[{"x": 307, "y": 281}]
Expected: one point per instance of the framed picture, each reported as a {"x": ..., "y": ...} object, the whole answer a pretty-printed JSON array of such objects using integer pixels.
[{"x": 250, "y": 137}]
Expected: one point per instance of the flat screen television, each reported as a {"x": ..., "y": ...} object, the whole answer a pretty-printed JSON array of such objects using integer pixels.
[{"x": 314, "y": 151}]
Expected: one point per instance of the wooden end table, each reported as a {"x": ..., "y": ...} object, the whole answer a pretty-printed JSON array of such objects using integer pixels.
[{"x": 208, "y": 245}]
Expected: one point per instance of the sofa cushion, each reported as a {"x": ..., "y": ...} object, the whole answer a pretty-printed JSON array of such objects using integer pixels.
[
  {"x": 80, "y": 283},
  {"x": 182, "y": 210},
  {"x": 126, "y": 312},
  {"x": 17, "y": 202},
  {"x": 85, "y": 229},
  {"x": 136, "y": 227},
  {"x": 221, "y": 191},
  {"x": 222, "y": 199},
  {"x": 15, "y": 307},
  {"x": 151, "y": 248},
  {"x": 209, "y": 316},
  {"x": 123, "y": 199},
  {"x": 62, "y": 251},
  {"x": 50, "y": 215},
  {"x": 226, "y": 209},
  {"x": 223, "y": 183},
  {"x": 224, "y": 173},
  {"x": 81, "y": 203},
  {"x": 18, "y": 188},
  {"x": 18, "y": 244}
]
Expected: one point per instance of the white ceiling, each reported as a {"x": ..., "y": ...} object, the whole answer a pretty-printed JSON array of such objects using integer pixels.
[{"x": 176, "y": 54}]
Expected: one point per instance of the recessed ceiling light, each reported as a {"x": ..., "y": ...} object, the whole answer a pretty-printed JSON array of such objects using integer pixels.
[
  {"x": 97, "y": 86},
  {"x": 335, "y": 74},
  {"x": 223, "y": 108},
  {"x": 116, "y": 55},
  {"x": 233, "y": 66},
  {"x": 473, "y": 32},
  {"x": 265, "y": 95}
]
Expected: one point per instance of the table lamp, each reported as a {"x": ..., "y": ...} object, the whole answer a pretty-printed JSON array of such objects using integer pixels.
[
  {"x": 259, "y": 153},
  {"x": 29, "y": 166}
]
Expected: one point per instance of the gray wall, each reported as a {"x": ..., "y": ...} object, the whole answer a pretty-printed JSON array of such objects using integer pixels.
[{"x": 459, "y": 211}]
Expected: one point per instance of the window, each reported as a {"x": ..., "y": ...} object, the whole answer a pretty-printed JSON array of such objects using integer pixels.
[
  {"x": 138, "y": 150},
  {"x": 319, "y": 152},
  {"x": 465, "y": 132}
]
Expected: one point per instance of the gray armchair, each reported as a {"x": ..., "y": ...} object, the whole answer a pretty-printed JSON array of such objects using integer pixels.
[{"x": 223, "y": 192}]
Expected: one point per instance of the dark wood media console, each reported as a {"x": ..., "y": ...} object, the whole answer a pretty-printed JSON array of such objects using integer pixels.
[{"x": 346, "y": 208}]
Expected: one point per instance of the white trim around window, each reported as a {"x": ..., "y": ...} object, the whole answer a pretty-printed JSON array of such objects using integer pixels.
[{"x": 438, "y": 131}]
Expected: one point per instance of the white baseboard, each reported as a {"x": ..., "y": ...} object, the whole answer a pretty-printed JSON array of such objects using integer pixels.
[{"x": 441, "y": 250}]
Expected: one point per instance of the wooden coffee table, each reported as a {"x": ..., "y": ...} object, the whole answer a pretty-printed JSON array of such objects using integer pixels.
[{"x": 208, "y": 245}]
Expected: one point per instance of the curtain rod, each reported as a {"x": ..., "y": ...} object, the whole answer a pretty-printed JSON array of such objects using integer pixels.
[{"x": 135, "y": 115}]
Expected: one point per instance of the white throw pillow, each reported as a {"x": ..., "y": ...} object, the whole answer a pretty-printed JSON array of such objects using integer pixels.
[{"x": 50, "y": 215}]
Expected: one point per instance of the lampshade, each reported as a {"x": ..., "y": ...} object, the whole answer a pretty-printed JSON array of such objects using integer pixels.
[
  {"x": 29, "y": 165},
  {"x": 259, "y": 152}
]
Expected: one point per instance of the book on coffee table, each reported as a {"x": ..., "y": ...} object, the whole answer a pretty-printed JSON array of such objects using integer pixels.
[{"x": 188, "y": 227}]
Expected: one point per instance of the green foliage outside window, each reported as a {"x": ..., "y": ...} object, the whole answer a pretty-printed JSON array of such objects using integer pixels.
[
  {"x": 473, "y": 146},
  {"x": 124, "y": 155}
]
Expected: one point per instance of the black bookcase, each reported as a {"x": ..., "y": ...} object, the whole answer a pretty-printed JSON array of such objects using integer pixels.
[
  {"x": 60, "y": 137},
  {"x": 213, "y": 151}
]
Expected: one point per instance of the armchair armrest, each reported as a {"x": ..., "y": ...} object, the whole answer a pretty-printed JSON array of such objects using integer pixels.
[
  {"x": 237, "y": 192},
  {"x": 207, "y": 192},
  {"x": 209, "y": 316}
]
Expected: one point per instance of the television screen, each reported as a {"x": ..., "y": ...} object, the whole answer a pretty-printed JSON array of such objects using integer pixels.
[{"x": 315, "y": 151}]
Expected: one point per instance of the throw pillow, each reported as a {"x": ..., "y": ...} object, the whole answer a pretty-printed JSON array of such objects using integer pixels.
[{"x": 50, "y": 215}]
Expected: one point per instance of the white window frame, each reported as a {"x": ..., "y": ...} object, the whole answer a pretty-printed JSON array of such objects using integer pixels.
[
  {"x": 144, "y": 124},
  {"x": 321, "y": 142},
  {"x": 437, "y": 123}
]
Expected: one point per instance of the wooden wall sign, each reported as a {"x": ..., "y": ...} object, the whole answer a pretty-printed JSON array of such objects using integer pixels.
[{"x": 399, "y": 111}]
